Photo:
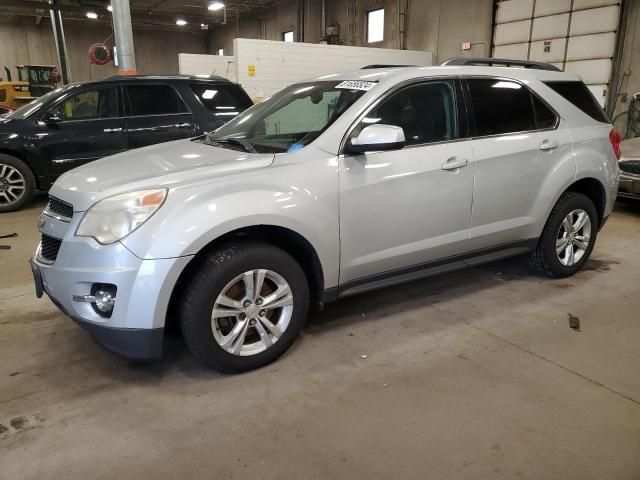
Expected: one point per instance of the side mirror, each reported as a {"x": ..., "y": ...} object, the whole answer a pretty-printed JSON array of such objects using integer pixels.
[
  {"x": 377, "y": 137},
  {"x": 52, "y": 118}
]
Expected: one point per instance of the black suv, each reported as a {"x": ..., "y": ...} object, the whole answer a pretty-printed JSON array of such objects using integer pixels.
[{"x": 79, "y": 123}]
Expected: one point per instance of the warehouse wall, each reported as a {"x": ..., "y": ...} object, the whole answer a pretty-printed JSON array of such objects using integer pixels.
[
  {"x": 630, "y": 66},
  {"x": 156, "y": 51},
  {"x": 435, "y": 25},
  {"x": 268, "y": 25},
  {"x": 439, "y": 26}
]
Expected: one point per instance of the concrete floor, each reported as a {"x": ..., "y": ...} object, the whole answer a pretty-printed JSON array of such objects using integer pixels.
[{"x": 469, "y": 375}]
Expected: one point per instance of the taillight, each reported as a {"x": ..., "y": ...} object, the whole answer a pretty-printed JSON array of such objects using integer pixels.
[{"x": 615, "y": 139}]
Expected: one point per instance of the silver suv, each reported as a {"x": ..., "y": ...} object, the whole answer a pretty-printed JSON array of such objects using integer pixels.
[{"x": 332, "y": 187}]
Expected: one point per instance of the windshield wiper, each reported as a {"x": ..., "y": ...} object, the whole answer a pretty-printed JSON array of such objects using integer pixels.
[{"x": 246, "y": 146}]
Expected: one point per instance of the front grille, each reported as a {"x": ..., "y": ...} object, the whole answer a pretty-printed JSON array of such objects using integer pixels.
[
  {"x": 60, "y": 208},
  {"x": 630, "y": 166},
  {"x": 49, "y": 248}
]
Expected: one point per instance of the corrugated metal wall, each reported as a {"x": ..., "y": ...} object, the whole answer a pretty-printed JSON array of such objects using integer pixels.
[{"x": 578, "y": 36}]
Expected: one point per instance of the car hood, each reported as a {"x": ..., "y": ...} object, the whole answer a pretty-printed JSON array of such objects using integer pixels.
[{"x": 171, "y": 165}]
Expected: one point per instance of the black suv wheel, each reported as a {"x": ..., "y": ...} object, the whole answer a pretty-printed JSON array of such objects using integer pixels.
[{"x": 17, "y": 184}]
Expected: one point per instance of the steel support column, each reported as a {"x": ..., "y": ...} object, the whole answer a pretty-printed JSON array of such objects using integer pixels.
[
  {"x": 124, "y": 37},
  {"x": 61, "y": 46}
]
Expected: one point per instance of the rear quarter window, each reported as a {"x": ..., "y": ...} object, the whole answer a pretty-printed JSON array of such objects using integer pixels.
[
  {"x": 579, "y": 95},
  {"x": 222, "y": 99}
]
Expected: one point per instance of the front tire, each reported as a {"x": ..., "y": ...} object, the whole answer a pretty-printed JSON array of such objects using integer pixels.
[
  {"x": 17, "y": 184},
  {"x": 244, "y": 307},
  {"x": 568, "y": 237}
]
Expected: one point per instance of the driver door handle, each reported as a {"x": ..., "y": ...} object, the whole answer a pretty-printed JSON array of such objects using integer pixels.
[
  {"x": 455, "y": 163},
  {"x": 549, "y": 145},
  {"x": 112, "y": 130}
]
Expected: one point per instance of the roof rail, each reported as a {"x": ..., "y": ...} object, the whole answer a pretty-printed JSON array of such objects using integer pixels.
[
  {"x": 368, "y": 67},
  {"x": 501, "y": 62},
  {"x": 165, "y": 77}
]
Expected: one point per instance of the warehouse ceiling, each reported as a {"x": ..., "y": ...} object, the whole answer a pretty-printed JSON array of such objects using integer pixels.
[{"x": 150, "y": 13}]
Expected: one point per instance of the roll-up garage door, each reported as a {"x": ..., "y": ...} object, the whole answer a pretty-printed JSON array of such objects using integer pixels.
[{"x": 577, "y": 36}]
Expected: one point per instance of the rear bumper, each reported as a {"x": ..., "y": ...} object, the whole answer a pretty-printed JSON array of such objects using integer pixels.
[{"x": 629, "y": 185}]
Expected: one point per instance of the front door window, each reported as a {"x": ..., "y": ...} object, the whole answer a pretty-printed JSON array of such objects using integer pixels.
[{"x": 88, "y": 105}]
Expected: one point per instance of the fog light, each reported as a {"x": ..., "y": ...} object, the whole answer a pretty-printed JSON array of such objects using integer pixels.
[
  {"x": 104, "y": 301},
  {"x": 102, "y": 298}
]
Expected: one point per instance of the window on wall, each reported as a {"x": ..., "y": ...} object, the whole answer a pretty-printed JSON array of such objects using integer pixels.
[
  {"x": 288, "y": 36},
  {"x": 375, "y": 26},
  {"x": 221, "y": 51}
]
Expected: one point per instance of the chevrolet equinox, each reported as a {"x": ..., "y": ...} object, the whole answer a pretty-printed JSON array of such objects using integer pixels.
[{"x": 331, "y": 187}]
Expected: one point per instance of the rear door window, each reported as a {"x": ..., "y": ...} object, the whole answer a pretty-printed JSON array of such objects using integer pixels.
[
  {"x": 501, "y": 107},
  {"x": 154, "y": 100},
  {"x": 221, "y": 99},
  {"x": 579, "y": 95}
]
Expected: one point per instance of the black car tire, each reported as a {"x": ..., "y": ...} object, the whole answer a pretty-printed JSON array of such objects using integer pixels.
[
  {"x": 217, "y": 269},
  {"x": 545, "y": 258},
  {"x": 29, "y": 183}
]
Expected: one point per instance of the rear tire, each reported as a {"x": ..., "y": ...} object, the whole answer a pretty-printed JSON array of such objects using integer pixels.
[
  {"x": 17, "y": 184},
  {"x": 248, "y": 278},
  {"x": 563, "y": 248}
]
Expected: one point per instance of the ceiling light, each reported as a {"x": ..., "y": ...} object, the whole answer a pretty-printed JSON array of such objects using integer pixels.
[
  {"x": 216, "y": 6},
  {"x": 180, "y": 22},
  {"x": 110, "y": 8},
  {"x": 92, "y": 15}
]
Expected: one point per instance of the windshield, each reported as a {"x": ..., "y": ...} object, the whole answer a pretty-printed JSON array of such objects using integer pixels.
[
  {"x": 291, "y": 119},
  {"x": 28, "y": 108}
]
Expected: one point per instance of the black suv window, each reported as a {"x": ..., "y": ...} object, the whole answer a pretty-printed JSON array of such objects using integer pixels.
[
  {"x": 222, "y": 99},
  {"x": 88, "y": 105},
  {"x": 154, "y": 100},
  {"x": 426, "y": 112},
  {"x": 501, "y": 106},
  {"x": 578, "y": 94}
]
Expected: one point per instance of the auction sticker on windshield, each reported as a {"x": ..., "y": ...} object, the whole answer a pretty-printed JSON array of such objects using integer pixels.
[{"x": 356, "y": 85}]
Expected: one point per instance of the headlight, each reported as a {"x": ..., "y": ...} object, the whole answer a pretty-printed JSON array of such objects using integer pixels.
[{"x": 115, "y": 217}]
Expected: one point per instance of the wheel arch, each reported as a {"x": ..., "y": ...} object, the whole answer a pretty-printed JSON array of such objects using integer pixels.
[
  {"x": 282, "y": 237},
  {"x": 24, "y": 159},
  {"x": 593, "y": 189}
]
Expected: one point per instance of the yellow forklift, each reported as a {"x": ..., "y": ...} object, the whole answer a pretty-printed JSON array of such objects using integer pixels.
[
  {"x": 34, "y": 81},
  {"x": 42, "y": 78}
]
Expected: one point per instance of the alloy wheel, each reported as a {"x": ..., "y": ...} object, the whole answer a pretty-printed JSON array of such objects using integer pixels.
[
  {"x": 12, "y": 185},
  {"x": 252, "y": 312},
  {"x": 573, "y": 237}
]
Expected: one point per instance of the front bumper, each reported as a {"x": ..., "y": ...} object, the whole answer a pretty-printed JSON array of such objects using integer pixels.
[
  {"x": 134, "y": 343},
  {"x": 136, "y": 325}
]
